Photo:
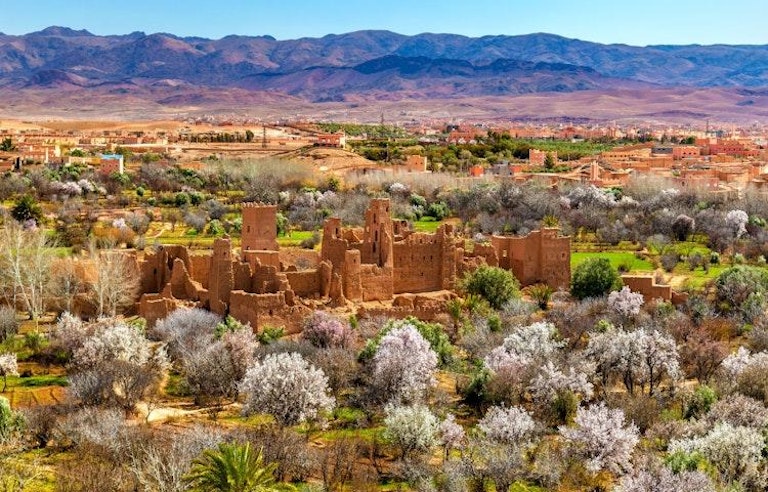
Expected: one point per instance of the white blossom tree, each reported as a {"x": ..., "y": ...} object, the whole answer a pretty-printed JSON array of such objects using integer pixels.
[
  {"x": 511, "y": 426},
  {"x": 625, "y": 302},
  {"x": 601, "y": 438},
  {"x": 8, "y": 367},
  {"x": 216, "y": 369},
  {"x": 413, "y": 429},
  {"x": 733, "y": 450},
  {"x": 552, "y": 381},
  {"x": 115, "y": 364},
  {"x": 69, "y": 334},
  {"x": 451, "y": 434},
  {"x": 736, "y": 363},
  {"x": 325, "y": 330},
  {"x": 663, "y": 480},
  {"x": 739, "y": 411},
  {"x": 186, "y": 330},
  {"x": 287, "y": 387},
  {"x": 404, "y": 365},
  {"x": 524, "y": 346},
  {"x": 114, "y": 341},
  {"x": 639, "y": 358},
  {"x": 736, "y": 221}
]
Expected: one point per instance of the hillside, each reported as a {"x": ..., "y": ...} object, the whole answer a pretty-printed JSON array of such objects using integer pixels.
[{"x": 60, "y": 69}]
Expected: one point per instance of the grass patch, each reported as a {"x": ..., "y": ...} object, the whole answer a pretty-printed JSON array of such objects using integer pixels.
[
  {"x": 295, "y": 239},
  {"x": 698, "y": 278},
  {"x": 174, "y": 386},
  {"x": 37, "y": 381},
  {"x": 368, "y": 433},
  {"x": 616, "y": 258},
  {"x": 426, "y": 225}
]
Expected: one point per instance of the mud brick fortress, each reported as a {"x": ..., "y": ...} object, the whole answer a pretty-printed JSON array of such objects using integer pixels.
[{"x": 382, "y": 268}]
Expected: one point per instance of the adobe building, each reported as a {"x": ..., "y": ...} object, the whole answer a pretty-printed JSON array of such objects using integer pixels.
[
  {"x": 407, "y": 272},
  {"x": 537, "y": 158},
  {"x": 540, "y": 257},
  {"x": 259, "y": 227}
]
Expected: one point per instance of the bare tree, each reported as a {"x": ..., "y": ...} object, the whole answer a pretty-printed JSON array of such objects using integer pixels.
[
  {"x": 116, "y": 283},
  {"x": 66, "y": 283},
  {"x": 25, "y": 263}
]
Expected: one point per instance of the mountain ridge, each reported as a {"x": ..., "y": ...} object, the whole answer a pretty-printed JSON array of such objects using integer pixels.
[{"x": 368, "y": 65}]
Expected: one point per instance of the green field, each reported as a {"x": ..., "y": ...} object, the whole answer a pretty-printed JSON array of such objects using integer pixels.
[
  {"x": 295, "y": 239},
  {"x": 426, "y": 225},
  {"x": 616, "y": 258}
]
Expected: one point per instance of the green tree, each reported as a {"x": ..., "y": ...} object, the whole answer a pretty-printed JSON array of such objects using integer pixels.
[
  {"x": 234, "y": 468},
  {"x": 594, "y": 278},
  {"x": 282, "y": 224},
  {"x": 7, "y": 145},
  {"x": 248, "y": 136},
  {"x": 27, "y": 208},
  {"x": 10, "y": 421},
  {"x": 736, "y": 285},
  {"x": 494, "y": 284},
  {"x": 549, "y": 161}
]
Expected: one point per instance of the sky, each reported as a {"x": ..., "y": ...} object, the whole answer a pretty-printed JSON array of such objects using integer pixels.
[{"x": 619, "y": 21}]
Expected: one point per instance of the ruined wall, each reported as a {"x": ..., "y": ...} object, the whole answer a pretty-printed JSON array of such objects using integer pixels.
[
  {"x": 260, "y": 310},
  {"x": 378, "y": 234},
  {"x": 154, "y": 307},
  {"x": 350, "y": 277},
  {"x": 306, "y": 283},
  {"x": 646, "y": 285},
  {"x": 541, "y": 256},
  {"x": 424, "y": 262},
  {"x": 155, "y": 269},
  {"x": 259, "y": 227},
  {"x": 181, "y": 285},
  {"x": 221, "y": 276},
  {"x": 376, "y": 282},
  {"x": 266, "y": 258},
  {"x": 424, "y": 307},
  {"x": 334, "y": 246},
  {"x": 201, "y": 267}
]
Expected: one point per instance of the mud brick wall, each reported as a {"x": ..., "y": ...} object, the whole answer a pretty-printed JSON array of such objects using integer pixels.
[
  {"x": 259, "y": 227},
  {"x": 306, "y": 283},
  {"x": 540, "y": 257},
  {"x": 376, "y": 283},
  {"x": 645, "y": 285}
]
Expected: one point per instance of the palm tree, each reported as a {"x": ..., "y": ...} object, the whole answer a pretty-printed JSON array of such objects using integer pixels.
[{"x": 234, "y": 468}]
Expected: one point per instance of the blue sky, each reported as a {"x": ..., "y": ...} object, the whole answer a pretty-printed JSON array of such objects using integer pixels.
[{"x": 638, "y": 23}]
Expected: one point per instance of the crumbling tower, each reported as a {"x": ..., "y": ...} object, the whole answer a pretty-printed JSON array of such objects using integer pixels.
[
  {"x": 378, "y": 234},
  {"x": 259, "y": 227}
]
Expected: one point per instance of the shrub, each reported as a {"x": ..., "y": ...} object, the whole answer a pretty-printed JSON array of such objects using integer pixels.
[
  {"x": 8, "y": 324},
  {"x": 541, "y": 294},
  {"x": 311, "y": 242},
  {"x": 734, "y": 285},
  {"x": 494, "y": 284},
  {"x": 324, "y": 330},
  {"x": 10, "y": 421},
  {"x": 594, "y": 277}
]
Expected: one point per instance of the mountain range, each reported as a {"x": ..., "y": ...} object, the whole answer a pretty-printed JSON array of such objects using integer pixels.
[{"x": 61, "y": 66}]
